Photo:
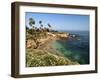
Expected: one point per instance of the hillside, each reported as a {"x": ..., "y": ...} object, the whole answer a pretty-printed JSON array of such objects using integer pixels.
[{"x": 40, "y": 53}]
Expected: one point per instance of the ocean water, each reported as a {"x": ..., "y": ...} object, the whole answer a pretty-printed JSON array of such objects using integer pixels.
[{"x": 76, "y": 49}]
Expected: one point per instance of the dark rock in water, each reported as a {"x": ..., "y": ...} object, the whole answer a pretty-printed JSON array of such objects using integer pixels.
[{"x": 74, "y": 36}]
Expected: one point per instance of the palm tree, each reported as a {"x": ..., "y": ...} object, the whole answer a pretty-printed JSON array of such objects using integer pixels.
[
  {"x": 40, "y": 22},
  {"x": 31, "y": 22},
  {"x": 32, "y": 25},
  {"x": 50, "y": 27},
  {"x": 41, "y": 25}
]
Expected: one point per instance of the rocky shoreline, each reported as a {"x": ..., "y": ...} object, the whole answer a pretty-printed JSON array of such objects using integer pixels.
[
  {"x": 45, "y": 53},
  {"x": 30, "y": 43}
]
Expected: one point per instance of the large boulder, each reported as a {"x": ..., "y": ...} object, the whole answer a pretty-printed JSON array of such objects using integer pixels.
[{"x": 31, "y": 44}]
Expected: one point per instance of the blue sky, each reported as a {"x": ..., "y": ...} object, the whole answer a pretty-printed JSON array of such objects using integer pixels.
[{"x": 60, "y": 21}]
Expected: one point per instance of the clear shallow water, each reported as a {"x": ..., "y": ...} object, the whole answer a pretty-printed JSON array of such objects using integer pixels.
[{"x": 75, "y": 49}]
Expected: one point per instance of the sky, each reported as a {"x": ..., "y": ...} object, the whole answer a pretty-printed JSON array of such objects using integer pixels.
[{"x": 59, "y": 21}]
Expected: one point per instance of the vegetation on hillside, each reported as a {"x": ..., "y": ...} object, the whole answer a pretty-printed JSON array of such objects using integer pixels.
[{"x": 38, "y": 57}]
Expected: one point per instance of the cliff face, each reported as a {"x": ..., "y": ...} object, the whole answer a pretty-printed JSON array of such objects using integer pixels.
[
  {"x": 62, "y": 35},
  {"x": 58, "y": 34},
  {"x": 31, "y": 43},
  {"x": 39, "y": 51}
]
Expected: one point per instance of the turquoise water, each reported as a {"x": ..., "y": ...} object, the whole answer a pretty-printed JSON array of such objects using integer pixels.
[{"x": 75, "y": 49}]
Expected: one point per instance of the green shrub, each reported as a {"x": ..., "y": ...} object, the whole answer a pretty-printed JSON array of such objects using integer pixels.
[{"x": 36, "y": 58}]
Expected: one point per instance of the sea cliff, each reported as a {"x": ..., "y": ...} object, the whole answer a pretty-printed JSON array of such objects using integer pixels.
[
  {"x": 31, "y": 43},
  {"x": 39, "y": 50}
]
